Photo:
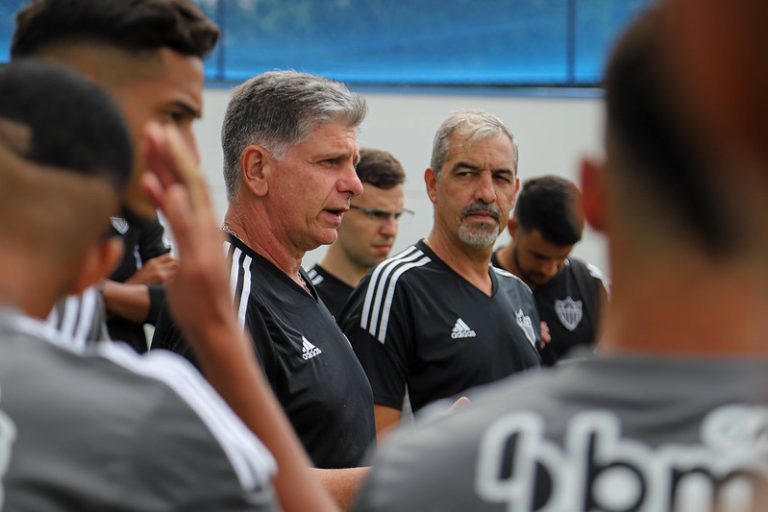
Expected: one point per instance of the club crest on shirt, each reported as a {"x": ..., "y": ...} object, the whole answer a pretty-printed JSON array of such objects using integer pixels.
[
  {"x": 524, "y": 322},
  {"x": 569, "y": 312},
  {"x": 120, "y": 224}
]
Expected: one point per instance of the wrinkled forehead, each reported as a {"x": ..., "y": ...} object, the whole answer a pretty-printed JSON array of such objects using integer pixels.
[{"x": 476, "y": 141}]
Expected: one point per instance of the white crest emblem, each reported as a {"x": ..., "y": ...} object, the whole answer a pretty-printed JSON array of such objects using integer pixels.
[
  {"x": 569, "y": 312},
  {"x": 524, "y": 321},
  {"x": 120, "y": 224}
]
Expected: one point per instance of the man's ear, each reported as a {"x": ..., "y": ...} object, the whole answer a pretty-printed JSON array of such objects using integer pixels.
[
  {"x": 99, "y": 262},
  {"x": 512, "y": 226},
  {"x": 255, "y": 167},
  {"x": 593, "y": 193},
  {"x": 430, "y": 179}
]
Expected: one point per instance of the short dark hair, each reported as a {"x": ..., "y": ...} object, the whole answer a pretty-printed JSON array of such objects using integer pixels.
[
  {"x": 655, "y": 158},
  {"x": 551, "y": 205},
  {"x": 130, "y": 25},
  {"x": 379, "y": 168},
  {"x": 73, "y": 123}
]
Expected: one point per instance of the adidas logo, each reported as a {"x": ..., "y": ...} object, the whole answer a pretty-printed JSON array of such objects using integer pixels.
[
  {"x": 462, "y": 330},
  {"x": 309, "y": 350}
]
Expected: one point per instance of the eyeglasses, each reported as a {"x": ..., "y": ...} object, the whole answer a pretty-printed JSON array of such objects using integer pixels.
[{"x": 402, "y": 216}]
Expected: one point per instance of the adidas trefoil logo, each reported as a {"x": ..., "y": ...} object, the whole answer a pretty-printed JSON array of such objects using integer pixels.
[
  {"x": 309, "y": 350},
  {"x": 462, "y": 330}
]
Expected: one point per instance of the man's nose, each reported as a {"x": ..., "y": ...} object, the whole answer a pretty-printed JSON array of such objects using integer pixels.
[{"x": 485, "y": 190}]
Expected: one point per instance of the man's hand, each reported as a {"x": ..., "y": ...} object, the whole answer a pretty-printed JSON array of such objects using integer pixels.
[
  {"x": 179, "y": 191},
  {"x": 545, "y": 336},
  {"x": 158, "y": 270}
]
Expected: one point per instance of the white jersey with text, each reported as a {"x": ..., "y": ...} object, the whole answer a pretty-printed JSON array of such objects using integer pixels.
[{"x": 618, "y": 434}]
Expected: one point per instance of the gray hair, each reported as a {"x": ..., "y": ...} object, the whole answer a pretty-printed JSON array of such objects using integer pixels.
[
  {"x": 279, "y": 109},
  {"x": 475, "y": 125}
]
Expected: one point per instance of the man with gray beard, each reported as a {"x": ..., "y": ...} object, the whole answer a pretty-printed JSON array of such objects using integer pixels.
[{"x": 437, "y": 319}]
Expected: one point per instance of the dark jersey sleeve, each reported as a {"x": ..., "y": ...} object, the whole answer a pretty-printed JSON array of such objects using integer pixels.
[
  {"x": 152, "y": 242},
  {"x": 169, "y": 337},
  {"x": 381, "y": 335},
  {"x": 156, "y": 301},
  {"x": 151, "y": 245}
]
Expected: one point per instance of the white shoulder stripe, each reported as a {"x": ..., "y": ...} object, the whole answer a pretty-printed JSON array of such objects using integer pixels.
[
  {"x": 595, "y": 272},
  {"x": 373, "y": 283},
  {"x": 53, "y": 318},
  {"x": 391, "y": 293},
  {"x": 502, "y": 272},
  {"x": 235, "y": 269},
  {"x": 45, "y": 330},
  {"x": 250, "y": 459},
  {"x": 315, "y": 277},
  {"x": 235, "y": 256},
  {"x": 508, "y": 274},
  {"x": 87, "y": 316},
  {"x": 245, "y": 294},
  {"x": 74, "y": 318},
  {"x": 252, "y": 462},
  {"x": 69, "y": 316}
]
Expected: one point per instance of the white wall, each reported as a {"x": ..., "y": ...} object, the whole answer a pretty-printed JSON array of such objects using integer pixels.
[{"x": 553, "y": 133}]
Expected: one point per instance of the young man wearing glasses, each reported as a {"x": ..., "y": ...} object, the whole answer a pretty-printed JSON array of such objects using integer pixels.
[
  {"x": 368, "y": 231},
  {"x": 437, "y": 319}
]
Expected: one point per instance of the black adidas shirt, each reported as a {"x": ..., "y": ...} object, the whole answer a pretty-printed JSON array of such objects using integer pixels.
[
  {"x": 416, "y": 323},
  {"x": 330, "y": 288},
  {"x": 570, "y": 305},
  {"x": 142, "y": 241},
  {"x": 308, "y": 361}
]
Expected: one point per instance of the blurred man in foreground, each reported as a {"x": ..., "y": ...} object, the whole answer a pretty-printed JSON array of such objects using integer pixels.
[{"x": 147, "y": 54}]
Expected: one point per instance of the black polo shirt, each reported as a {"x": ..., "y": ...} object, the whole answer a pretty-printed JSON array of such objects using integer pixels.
[
  {"x": 330, "y": 288},
  {"x": 307, "y": 359},
  {"x": 570, "y": 304},
  {"x": 417, "y": 324}
]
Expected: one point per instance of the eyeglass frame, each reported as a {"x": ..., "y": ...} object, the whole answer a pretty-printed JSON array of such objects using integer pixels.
[{"x": 383, "y": 215}]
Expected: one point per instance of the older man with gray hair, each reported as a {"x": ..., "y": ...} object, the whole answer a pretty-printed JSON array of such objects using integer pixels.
[
  {"x": 437, "y": 319},
  {"x": 290, "y": 150}
]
